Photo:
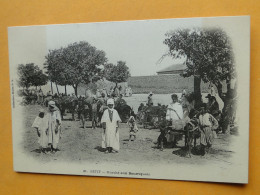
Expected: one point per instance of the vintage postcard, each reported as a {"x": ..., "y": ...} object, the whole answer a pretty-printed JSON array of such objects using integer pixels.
[{"x": 155, "y": 99}]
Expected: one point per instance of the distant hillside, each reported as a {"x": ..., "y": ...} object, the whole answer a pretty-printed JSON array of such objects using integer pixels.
[{"x": 163, "y": 84}]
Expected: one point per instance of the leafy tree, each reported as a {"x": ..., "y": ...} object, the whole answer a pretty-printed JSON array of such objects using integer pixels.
[
  {"x": 77, "y": 63},
  {"x": 117, "y": 73},
  {"x": 40, "y": 79},
  {"x": 56, "y": 67},
  {"x": 209, "y": 57},
  {"x": 208, "y": 54},
  {"x": 31, "y": 75}
]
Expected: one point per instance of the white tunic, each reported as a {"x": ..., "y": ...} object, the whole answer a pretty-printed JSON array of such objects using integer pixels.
[
  {"x": 220, "y": 102},
  {"x": 110, "y": 138},
  {"x": 42, "y": 125},
  {"x": 207, "y": 120},
  {"x": 47, "y": 126},
  {"x": 174, "y": 111},
  {"x": 54, "y": 127}
]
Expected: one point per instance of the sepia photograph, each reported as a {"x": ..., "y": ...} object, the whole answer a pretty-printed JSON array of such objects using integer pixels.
[{"x": 152, "y": 99}]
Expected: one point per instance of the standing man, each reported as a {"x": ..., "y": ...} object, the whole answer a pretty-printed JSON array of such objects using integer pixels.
[
  {"x": 121, "y": 92},
  {"x": 150, "y": 99},
  {"x": 130, "y": 91},
  {"x": 110, "y": 122},
  {"x": 127, "y": 92},
  {"x": 111, "y": 91},
  {"x": 120, "y": 101},
  {"x": 207, "y": 125},
  {"x": 41, "y": 97},
  {"x": 48, "y": 93},
  {"x": 104, "y": 91},
  {"x": 94, "y": 112},
  {"x": 116, "y": 91},
  {"x": 53, "y": 118},
  {"x": 98, "y": 94},
  {"x": 174, "y": 113}
]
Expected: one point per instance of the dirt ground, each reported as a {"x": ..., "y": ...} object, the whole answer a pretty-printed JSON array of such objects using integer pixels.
[{"x": 79, "y": 145}]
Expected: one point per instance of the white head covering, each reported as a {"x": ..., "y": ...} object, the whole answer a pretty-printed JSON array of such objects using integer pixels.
[
  {"x": 110, "y": 101},
  {"x": 51, "y": 103}
]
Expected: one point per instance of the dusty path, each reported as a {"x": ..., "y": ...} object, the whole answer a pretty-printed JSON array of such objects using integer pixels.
[{"x": 79, "y": 145}]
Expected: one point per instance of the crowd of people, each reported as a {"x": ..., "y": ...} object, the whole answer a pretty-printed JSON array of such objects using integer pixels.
[
  {"x": 180, "y": 112},
  {"x": 115, "y": 92},
  {"x": 48, "y": 123}
]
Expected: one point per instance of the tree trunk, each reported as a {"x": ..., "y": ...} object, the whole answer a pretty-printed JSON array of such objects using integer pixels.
[
  {"x": 227, "y": 113},
  {"x": 219, "y": 87},
  {"x": 51, "y": 89},
  {"x": 197, "y": 91},
  {"x": 65, "y": 89},
  {"x": 75, "y": 89},
  {"x": 57, "y": 88}
]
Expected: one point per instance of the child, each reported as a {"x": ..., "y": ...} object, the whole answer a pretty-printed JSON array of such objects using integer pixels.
[
  {"x": 207, "y": 125},
  {"x": 162, "y": 140},
  {"x": 42, "y": 131},
  {"x": 133, "y": 127}
]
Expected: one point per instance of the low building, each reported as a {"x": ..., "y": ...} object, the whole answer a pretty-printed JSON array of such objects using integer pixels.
[{"x": 176, "y": 69}]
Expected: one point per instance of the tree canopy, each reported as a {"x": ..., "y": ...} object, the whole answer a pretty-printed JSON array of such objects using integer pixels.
[
  {"x": 56, "y": 67},
  {"x": 209, "y": 57},
  {"x": 117, "y": 73},
  {"x": 77, "y": 63},
  {"x": 31, "y": 75},
  {"x": 208, "y": 53}
]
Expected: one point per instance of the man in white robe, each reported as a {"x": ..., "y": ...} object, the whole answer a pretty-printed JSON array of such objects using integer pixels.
[
  {"x": 174, "y": 112},
  {"x": 110, "y": 122},
  {"x": 127, "y": 92},
  {"x": 48, "y": 126},
  {"x": 54, "y": 125},
  {"x": 174, "y": 109}
]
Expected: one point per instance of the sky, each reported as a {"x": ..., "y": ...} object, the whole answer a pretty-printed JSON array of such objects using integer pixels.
[{"x": 138, "y": 43}]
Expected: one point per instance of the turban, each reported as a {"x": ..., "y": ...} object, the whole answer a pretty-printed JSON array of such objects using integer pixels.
[
  {"x": 51, "y": 103},
  {"x": 110, "y": 101}
]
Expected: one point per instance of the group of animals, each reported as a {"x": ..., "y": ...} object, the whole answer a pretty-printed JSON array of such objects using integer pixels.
[
  {"x": 147, "y": 116},
  {"x": 190, "y": 131},
  {"x": 82, "y": 107},
  {"x": 155, "y": 117}
]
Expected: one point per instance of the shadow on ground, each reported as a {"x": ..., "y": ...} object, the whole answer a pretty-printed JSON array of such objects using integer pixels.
[{"x": 100, "y": 149}]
